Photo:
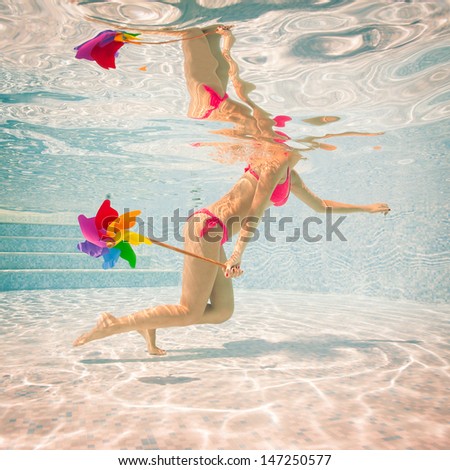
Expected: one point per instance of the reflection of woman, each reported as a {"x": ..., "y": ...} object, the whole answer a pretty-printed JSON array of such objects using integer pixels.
[
  {"x": 207, "y": 70},
  {"x": 207, "y": 292}
]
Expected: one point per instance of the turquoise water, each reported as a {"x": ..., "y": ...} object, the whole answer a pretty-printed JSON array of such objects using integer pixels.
[{"x": 72, "y": 133}]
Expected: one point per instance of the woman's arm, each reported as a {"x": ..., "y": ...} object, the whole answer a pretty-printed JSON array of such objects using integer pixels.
[{"x": 302, "y": 192}]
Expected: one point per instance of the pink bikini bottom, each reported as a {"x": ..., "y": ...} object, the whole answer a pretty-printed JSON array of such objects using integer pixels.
[
  {"x": 214, "y": 101},
  {"x": 211, "y": 222}
]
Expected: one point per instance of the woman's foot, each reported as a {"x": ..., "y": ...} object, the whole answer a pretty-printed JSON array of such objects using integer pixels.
[
  {"x": 102, "y": 329},
  {"x": 216, "y": 28},
  {"x": 150, "y": 339},
  {"x": 223, "y": 28}
]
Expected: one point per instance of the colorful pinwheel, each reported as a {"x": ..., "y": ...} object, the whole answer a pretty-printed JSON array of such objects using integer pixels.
[
  {"x": 107, "y": 235},
  {"x": 104, "y": 47}
]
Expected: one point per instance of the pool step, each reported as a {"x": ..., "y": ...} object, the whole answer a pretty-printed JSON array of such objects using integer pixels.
[
  {"x": 14, "y": 244},
  {"x": 40, "y": 230},
  {"x": 40, "y": 256},
  {"x": 40, "y": 260},
  {"x": 25, "y": 279}
]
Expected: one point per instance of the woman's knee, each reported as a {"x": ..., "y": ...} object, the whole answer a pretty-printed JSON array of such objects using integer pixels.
[
  {"x": 193, "y": 32},
  {"x": 191, "y": 316},
  {"x": 225, "y": 313}
]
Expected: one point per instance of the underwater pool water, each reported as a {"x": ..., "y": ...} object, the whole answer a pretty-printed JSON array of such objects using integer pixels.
[
  {"x": 287, "y": 371},
  {"x": 334, "y": 344},
  {"x": 72, "y": 132}
]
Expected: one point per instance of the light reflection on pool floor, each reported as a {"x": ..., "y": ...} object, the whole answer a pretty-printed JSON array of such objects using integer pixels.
[{"x": 289, "y": 371}]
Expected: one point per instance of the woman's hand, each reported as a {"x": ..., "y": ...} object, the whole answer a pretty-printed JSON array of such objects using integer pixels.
[
  {"x": 378, "y": 207},
  {"x": 233, "y": 266}
]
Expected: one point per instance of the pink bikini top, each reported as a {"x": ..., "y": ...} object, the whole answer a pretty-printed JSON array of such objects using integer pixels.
[{"x": 280, "y": 194}]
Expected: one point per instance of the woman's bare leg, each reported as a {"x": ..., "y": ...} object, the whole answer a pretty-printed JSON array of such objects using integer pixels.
[
  {"x": 214, "y": 38},
  {"x": 218, "y": 310},
  {"x": 198, "y": 280},
  {"x": 200, "y": 68},
  {"x": 150, "y": 339},
  {"x": 221, "y": 304},
  {"x": 205, "y": 64}
]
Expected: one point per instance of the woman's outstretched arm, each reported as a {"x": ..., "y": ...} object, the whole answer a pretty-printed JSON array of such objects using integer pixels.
[{"x": 302, "y": 192}]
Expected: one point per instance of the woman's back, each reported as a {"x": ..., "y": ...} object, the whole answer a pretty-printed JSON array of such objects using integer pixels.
[{"x": 237, "y": 202}]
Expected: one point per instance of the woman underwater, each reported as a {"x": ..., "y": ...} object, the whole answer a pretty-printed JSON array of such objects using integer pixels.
[{"x": 269, "y": 179}]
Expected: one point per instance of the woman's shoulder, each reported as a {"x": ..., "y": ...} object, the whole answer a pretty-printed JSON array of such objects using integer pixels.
[
  {"x": 270, "y": 167},
  {"x": 275, "y": 163}
]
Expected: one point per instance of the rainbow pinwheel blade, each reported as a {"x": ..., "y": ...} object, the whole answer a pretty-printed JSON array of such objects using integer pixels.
[
  {"x": 104, "y": 47},
  {"x": 107, "y": 235}
]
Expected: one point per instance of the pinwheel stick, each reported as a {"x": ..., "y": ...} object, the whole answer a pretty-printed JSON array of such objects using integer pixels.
[
  {"x": 188, "y": 253},
  {"x": 155, "y": 31},
  {"x": 179, "y": 250}
]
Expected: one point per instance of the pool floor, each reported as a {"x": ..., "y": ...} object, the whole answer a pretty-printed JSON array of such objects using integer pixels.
[{"x": 288, "y": 371}]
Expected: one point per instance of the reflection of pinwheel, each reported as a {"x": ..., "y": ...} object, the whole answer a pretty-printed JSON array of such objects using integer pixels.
[
  {"x": 104, "y": 47},
  {"x": 107, "y": 235}
]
